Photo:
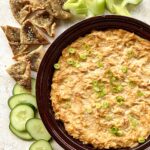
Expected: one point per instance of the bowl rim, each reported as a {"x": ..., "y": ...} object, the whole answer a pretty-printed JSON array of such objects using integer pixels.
[{"x": 43, "y": 82}]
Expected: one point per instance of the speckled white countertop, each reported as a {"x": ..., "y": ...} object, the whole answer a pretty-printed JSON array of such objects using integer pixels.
[{"x": 7, "y": 140}]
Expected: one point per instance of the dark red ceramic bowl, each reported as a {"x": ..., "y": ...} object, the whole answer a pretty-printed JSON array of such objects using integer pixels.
[{"x": 45, "y": 74}]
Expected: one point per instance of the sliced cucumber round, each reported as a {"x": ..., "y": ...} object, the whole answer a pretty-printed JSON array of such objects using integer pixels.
[
  {"x": 20, "y": 115},
  {"x": 22, "y": 135},
  {"x": 37, "y": 130},
  {"x": 18, "y": 89},
  {"x": 22, "y": 99},
  {"x": 40, "y": 145}
]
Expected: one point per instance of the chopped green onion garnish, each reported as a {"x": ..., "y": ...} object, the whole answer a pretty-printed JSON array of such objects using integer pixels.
[
  {"x": 88, "y": 110},
  {"x": 77, "y": 64},
  {"x": 112, "y": 80},
  {"x": 133, "y": 121},
  {"x": 120, "y": 99},
  {"x": 97, "y": 105},
  {"x": 141, "y": 140},
  {"x": 115, "y": 131},
  {"x": 86, "y": 47},
  {"x": 130, "y": 54},
  {"x": 70, "y": 61},
  {"x": 139, "y": 93},
  {"x": 124, "y": 69},
  {"x": 96, "y": 88},
  {"x": 100, "y": 64},
  {"x": 95, "y": 83},
  {"x": 102, "y": 93},
  {"x": 73, "y": 63},
  {"x": 57, "y": 66},
  {"x": 99, "y": 88},
  {"x": 71, "y": 50},
  {"x": 117, "y": 89},
  {"x": 109, "y": 73},
  {"x": 83, "y": 56},
  {"x": 105, "y": 105}
]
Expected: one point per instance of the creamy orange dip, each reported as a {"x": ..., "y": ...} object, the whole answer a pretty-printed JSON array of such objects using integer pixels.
[{"x": 101, "y": 89}]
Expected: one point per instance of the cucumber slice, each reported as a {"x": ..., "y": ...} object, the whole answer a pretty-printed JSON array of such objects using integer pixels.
[
  {"x": 20, "y": 115},
  {"x": 37, "y": 130},
  {"x": 40, "y": 145},
  {"x": 22, "y": 99},
  {"x": 18, "y": 89},
  {"x": 22, "y": 135}
]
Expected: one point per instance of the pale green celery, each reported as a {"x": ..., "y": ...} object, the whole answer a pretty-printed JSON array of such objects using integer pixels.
[
  {"x": 97, "y": 7},
  {"x": 116, "y": 7},
  {"x": 76, "y": 6},
  {"x": 110, "y": 5},
  {"x": 121, "y": 10},
  {"x": 133, "y": 2}
]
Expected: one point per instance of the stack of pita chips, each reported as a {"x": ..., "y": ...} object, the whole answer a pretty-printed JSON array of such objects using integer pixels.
[
  {"x": 27, "y": 47},
  {"x": 35, "y": 17}
]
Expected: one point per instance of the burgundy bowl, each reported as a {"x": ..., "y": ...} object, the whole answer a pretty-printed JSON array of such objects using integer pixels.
[{"x": 45, "y": 74}]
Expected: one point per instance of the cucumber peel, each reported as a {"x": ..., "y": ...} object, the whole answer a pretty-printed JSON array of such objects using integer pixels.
[
  {"x": 40, "y": 145},
  {"x": 22, "y": 135}
]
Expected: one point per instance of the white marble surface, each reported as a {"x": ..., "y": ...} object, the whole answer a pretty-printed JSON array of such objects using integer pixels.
[{"x": 7, "y": 140}]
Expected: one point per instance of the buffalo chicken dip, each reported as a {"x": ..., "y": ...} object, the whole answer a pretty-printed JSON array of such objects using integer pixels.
[{"x": 101, "y": 89}]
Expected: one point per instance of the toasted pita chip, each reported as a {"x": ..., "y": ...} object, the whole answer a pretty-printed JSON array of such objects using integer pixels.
[
  {"x": 20, "y": 9},
  {"x": 12, "y": 33},
  {"x": 56, "y": 8},
  {"x": 21, "y": 73},
  {"x": 18, "y": 48},
  {"x": 43, "y": 20},
  {"x": 30, "y": 34},
  {"x": 35, "y": 57},
  {"x": 39, "y": 3}
]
